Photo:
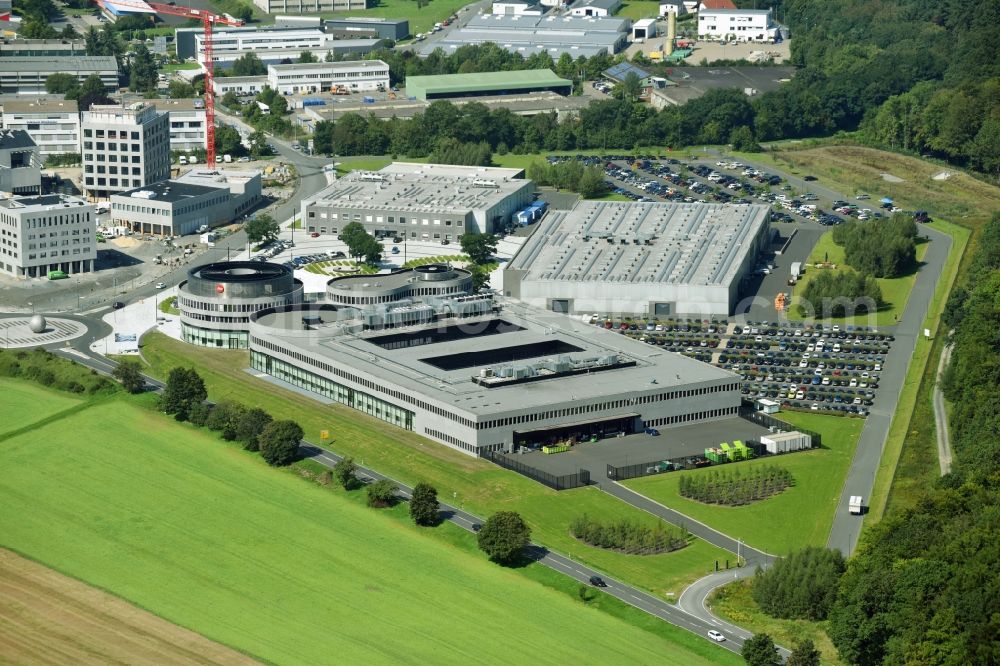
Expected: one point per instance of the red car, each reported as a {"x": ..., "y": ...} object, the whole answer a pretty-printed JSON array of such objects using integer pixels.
[{"x": 314, "y": 234}]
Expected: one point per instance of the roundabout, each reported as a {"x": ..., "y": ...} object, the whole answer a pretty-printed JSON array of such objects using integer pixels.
[{"x": 21, "y": 332}]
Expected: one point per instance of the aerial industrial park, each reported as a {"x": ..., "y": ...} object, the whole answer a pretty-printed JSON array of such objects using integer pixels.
[{"x": 645, "y": 332}]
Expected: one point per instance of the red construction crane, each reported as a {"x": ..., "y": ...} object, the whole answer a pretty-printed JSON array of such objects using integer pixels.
[{"x": 207, "y": 18}]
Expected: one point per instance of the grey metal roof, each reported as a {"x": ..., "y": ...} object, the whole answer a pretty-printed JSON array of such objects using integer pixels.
[
  {"x": 621, "y": 70},
  {"x": 70, "y": 64},
  {"x": 15, "y": 139},
  {"x": 641, "y": 243},
  {"x": 169, "y": 191},
  {"x": 407, "y": 369}
]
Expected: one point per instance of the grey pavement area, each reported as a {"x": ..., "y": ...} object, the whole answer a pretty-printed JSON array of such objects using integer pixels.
[{"x": 674, "y": 442}]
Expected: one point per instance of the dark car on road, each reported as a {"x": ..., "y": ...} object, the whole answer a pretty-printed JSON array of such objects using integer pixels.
[{"x": 597, "y": 581}]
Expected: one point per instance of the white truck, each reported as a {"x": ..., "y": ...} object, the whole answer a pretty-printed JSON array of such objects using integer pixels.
[
  {"x": 856, "y": 505},
  {"x": 796, "y": 272}
]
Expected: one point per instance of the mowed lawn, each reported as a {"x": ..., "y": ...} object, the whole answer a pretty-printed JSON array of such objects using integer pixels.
[
  {"x": 207, "y": 536},
  {"x": 474, "y": 484},
  {"x": 895, "y": 291},
  {"x": 23, "y": 403},
  {"x": 801, "y": 515}
]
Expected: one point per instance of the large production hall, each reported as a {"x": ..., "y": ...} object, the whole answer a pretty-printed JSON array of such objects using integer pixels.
[
  {"x": 643, "y": 259},
  {"x": 469, "y": 374}
]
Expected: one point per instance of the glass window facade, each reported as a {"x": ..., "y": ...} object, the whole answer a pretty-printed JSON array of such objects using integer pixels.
[
  {"x": 359, "y": 400},
  {"x": 204, "y": 337}
]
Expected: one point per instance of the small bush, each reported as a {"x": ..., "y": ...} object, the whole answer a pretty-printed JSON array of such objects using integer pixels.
[{"x": 381, "y": 493}]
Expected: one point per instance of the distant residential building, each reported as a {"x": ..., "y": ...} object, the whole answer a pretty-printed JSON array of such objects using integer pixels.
[
  {"x": 46, "y": 233},
  {"x": 743, "y": 25},
  {"x": 359, "y": 75},
  {"x": 519, "y": 8},
  {"x": 182, "y": 206},
  {"x": 241, "y": 85},
  {"x": 27, "y": 74},
  {"x": 54, "y": 125},
  {"x": 309, "y": 6},
  {"x": 124, "y": 148},
  {"x": 20, "y": 165},
  {"x": 715, "y": 4},
  {"x": 271, "y": 44},
  {"x": 676, "y": 7},
  {"x": 188, "y": 127},
  {"x": 595, "y": 7}
]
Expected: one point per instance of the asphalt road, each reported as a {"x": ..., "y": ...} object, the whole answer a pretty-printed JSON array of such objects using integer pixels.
[
  {"x": 564, "y": 565},
  {"x": 861, "y": 476},
  {"x": 941, "y": 416}
]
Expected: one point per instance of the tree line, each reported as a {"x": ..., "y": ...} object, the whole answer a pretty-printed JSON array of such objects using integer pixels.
[
  {"x": 842, "y": 293},
  {"x": 882, "y": 249},
  {"x": 800, "y": 586},
  {"x": 627, "y": 536},
  {"x": 736, "y": 486},
  {"x": 588, "y": 181}
]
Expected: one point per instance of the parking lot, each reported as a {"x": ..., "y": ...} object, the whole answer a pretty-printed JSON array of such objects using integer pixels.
[{"x": 808, "y": 367}]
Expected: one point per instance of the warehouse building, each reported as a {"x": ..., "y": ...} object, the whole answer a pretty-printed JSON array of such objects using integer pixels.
[
  {"x": 519, "y": 8},
  {"x": 354, "y": 76},
  {"x": 420, "y": 201},
  {"x": 27, "y": 74},
  {"x": 643, "y": 259},
  {"x": 183, "y": 206},
  {"x": 188, "y": 127},
  {"x": 42, "y": 47},
  {"x": 527, "y": 35},
  {"x": 472, "y": 376},
  {"x": 595, "y": 7},
  {"x": 216, "y": 300},
  {"x": 372, "y": 27},
  {"x": 446, "y": 86},
  {"x": 54, "y": 125},
  {"x": 46, "y": 233},
  {"x": 124, "y": 147}
]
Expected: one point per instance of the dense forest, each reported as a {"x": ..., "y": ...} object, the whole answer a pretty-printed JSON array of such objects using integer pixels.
[
  {"x": 915, "y": 75},
  {"x": 923, "y": 586}
]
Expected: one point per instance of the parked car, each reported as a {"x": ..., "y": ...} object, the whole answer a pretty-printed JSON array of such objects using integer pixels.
[
  {"x": 314, "y": 234},
  {"x": 716, "y": 635},
  {"x": 161, "y": 285}
]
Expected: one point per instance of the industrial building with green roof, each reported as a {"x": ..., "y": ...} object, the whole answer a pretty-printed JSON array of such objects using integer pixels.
[{"x": 486, "y": 83}]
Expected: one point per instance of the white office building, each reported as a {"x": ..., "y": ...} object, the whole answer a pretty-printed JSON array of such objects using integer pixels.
[
  {"x": 46, "y": 233},
  {"x": 309, "y": 6},
  {"x": 742, "y": 25},
  {"x": 124, "y": 148},
  {"x": 188, "y": 127},
  {"x": 431, "y": 202},
  {"x": 54, "y": 125},
  {"x": 589, "y": 8},
  {"x": 359, "y": 75}
]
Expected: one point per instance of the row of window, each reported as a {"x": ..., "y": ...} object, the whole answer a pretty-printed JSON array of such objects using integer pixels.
[
  {"x": 401, "y": 294},
  {"x": 684, "y": 418},
  {"x": 359, "y": 400},
  {"x": 367, "y": 383},
  {"x": 204, "y": 337},
  {"x": 189, "y": 304},
  {"x": 125, "y": 147},
  {"x": 381, "y": 219},
  {"x": 111, "y": 134},
  {"x": 89, "y": 168},
  {"x": 327, "y": 76},
  {"x": 454, "y": 441}
]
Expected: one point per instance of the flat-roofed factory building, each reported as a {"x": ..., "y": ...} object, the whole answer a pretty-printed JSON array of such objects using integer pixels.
[
  {"x": 446, "y": 86},
  {"x": 476, "y": 377},
  {"x": 645, "y": 259},
  {"x": 420, "y": 201}
]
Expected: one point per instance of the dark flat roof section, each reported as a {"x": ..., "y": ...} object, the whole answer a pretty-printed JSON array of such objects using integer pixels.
[
  {"x": 486, "y": 357},
  {"x": 446, "y": 334}
]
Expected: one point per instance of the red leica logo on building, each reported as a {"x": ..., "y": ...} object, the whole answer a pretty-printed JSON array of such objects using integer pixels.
[{"x": 219, "y": 288}]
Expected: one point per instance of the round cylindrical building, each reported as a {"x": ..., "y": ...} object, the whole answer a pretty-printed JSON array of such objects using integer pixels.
[
  {"x": 216, "y": 300},
  {"x": 431, "y": 280}
]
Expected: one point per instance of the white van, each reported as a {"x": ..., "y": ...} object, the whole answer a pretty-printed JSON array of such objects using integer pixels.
[{"x": 183, "y": 159}]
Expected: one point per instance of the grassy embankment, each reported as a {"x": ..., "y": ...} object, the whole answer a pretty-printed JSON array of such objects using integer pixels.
[
  {"x": 895, "y": 291},
  {"x": 474, "y": 484},
  {"x": 152, "y": 510},
  {"x": 797, "y": 517}
]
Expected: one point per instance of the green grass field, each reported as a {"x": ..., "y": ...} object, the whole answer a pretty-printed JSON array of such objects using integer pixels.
[
  {"x": 421, "y": 19},
  {"x": 895, "y": 291},
  {"x": 25, "y": 403},
  {"x": 639, "y": 9},
  {"x": 472, "y": 483},
  {"x": 208, "y": 537},
  {"x": 799, "y": 516}
]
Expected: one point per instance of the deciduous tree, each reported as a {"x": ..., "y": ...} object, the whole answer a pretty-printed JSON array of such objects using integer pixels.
[
  {"x": 279, "y": 442},
  {"x": 503, "y": 536},
  {"x": 130, "y": 375},
  {"x": 424, "y": 504},
  {"x": 381, "y": 493},
  {"x": 184, "y": 388}
]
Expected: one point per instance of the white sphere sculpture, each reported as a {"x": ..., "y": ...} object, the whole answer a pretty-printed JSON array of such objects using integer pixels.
[{"x": 37, "y": 324}]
